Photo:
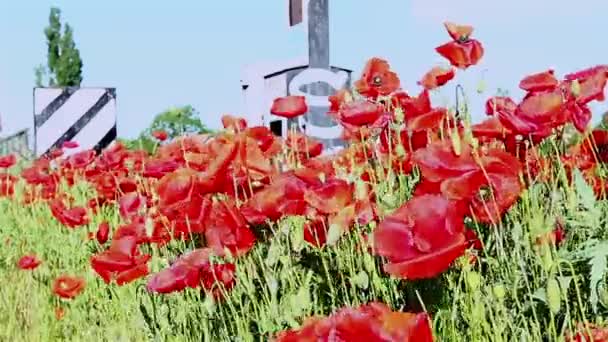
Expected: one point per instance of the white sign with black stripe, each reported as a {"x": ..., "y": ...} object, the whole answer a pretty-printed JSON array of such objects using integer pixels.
[{"x": 83, "y": 115}]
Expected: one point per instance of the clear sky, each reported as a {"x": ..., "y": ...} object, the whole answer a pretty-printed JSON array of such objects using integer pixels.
[{"x": 168, "y": 53}]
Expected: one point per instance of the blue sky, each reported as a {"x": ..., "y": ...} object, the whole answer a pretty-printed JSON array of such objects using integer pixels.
[{"x": 160, "y": 54}]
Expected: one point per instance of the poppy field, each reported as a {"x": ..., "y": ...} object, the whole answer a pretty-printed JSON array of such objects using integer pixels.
[{"x": 425, "y": 227}]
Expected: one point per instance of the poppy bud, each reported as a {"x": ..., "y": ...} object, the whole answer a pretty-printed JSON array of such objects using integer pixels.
[
  {"x": 400, "y": 151},
  {"x": 360, "y": 190},
  {"x": 553, "y": 296},
  {"x": 102, "y": 233},
  {"x": 399, "y": 115},
  {"x": 499, "y": 291},
  {"x": 473, "y": 280},
  {"x": 361, "y": 280},
  {"x": 455, "y": 137},
  {"x": 575, "y": 88},
  {"x": 322, "y": 177},
  {"x": 604, "y": 296},
  {"x": 372, "y": 224},
  {"x": 481, "y": 86},
  {"x": 333, "y": 234}
]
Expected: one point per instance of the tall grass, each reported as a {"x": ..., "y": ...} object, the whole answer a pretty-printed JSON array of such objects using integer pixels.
[{"x": 501, "y": 297}]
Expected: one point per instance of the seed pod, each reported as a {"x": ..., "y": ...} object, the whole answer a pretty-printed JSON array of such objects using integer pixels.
[{"x": 554, "y": 298}]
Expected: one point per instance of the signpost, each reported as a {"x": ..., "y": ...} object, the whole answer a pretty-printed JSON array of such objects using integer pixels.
[
  {"x": 322, "y": 82},
  {"x": 311, "y": 76}
]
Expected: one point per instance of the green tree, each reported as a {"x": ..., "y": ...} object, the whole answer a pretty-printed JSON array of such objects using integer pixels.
[
  {"x": 176, "y": 122},
  {"x": 64, "y": 65},
  {"x": 53, "y": 38},
  {"x": 69, "y": 65}
]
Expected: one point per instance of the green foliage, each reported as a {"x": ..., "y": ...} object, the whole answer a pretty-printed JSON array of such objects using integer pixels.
[
  {"x": 64, "y": 65},
  {"x": 53, "y": 38},
  {"x": 69, "y": 66},
  {"x": 177, "y": 121}
]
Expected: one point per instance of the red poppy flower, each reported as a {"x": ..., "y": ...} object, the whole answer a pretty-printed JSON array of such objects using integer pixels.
[
  {"x": 234, "y": 123},
  {"x": 421, "y": 238},
  {"x": 592, "y": 82},
  {"x": 68, "y": 287},
  {"x": 289, "y": 106},
  {"x": 268, "y": 143},
  {"x": 136, "y": 228},
  {"x": 28, "y": 262},
  {"x": 377, "y": 79},
  {"x": 463, "y": 51},
  {"x": 129, "y": 204},
  {"x": 55, "y": 153},
  {"x": 7, "y": 161},
  {"x": 359, "y": 113},
  {"x": 121, "y": 262},
  {"x": 588, "y": 332},
  {"x": 227, "y": 228},
  {"x": 284, "y": 196},
  {"x": 184, "y": 272},
  {"x": 160, "y": 135},
  {"x": 594, "y": 147},
  {"x": 555, "y": 237},
  {"x": 306, "y": 147},
  {"x": 315, "y": 231},
  {"x": 175, "y": 190},
  {"x": 537, "y": 113},
  {"x": 70, "y": 144},
  {"x": 217, "y": 279},
  {"x": 103, "y": 231},
  {"x": 340, "y": 98},
  {"x": 539, "y": 82},
  {"x": 368, "y": 322},
  {"x": 458, "y": 32},
  {"x": 59, "y": 313},
  {"x": 423, "y": 122},
  {"x": 436, "y": 77},
  {"x": 69, "y": 217},
  {"x": 580, "y": 115},
  {"x": 489, "y": 184},
  {"x": 330, "y": 196},
  {"x": 500, "y": 103},
  {"x": 79, "y": 160},
  {"x": 157, "y": 168},
  {"x": 490, "y": 128},
  {"x": 7, "y": 184}
]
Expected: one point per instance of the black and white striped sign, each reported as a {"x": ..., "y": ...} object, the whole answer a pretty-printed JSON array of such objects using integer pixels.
[{"x": 84, "y": 115}]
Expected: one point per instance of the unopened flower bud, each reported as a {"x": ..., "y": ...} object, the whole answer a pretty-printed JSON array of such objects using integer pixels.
[
  {"x": 473, "y": 280},
  {"x": 554, "y": 298},
  {"x": 499, "y": 291},
  {"x": 575, "y": 88}
]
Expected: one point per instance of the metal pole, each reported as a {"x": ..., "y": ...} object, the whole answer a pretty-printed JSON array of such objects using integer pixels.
[{"x": 318, "y": 58}]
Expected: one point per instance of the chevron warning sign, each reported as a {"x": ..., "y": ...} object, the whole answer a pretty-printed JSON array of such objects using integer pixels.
[{"x": 84, "y": 115}]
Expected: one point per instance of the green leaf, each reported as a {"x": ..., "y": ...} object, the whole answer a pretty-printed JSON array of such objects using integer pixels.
[
  {"x": 599, "y": 266},
  {"x": 584, "y": 191},
  {"x": 361, "y": 280},
  {"x": 333, "y": 234}
]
